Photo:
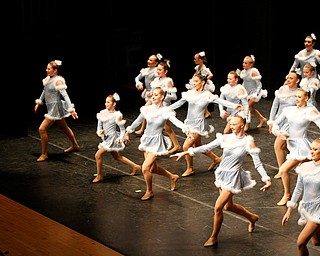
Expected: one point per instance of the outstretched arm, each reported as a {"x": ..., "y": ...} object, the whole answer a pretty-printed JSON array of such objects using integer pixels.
[{"x": 179, "y": 155}]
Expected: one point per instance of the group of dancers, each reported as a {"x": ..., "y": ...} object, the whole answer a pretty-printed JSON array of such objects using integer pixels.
[{"x": 293, "y": 110}]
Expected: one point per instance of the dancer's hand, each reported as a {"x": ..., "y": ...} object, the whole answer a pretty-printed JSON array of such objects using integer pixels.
[
  {"x": 265, "y": 187},
  {"x": 179, "y": 155}
]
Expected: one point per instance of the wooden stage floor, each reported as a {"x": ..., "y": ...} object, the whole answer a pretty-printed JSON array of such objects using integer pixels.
[{"x": 55, "y": 203}]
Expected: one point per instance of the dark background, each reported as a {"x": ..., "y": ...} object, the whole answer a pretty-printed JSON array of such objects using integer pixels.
[{"x": 104, "y": 44}]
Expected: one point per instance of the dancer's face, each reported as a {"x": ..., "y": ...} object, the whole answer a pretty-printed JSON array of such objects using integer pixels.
[{"x": 315, "y": 151}]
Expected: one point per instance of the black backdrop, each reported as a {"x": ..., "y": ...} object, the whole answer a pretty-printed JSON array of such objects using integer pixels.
[{"x": 104, "y": 44}]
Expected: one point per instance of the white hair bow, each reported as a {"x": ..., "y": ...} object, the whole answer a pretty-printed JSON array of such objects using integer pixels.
[
  {"x": 313, "y": 36},
  {"x": 253, "y": 58},
  {"x": 159, "y": 56},
  {"x": 202, "y": 54},
  {"x": 58, "y": 62},
  {"x": 298, "y": 71},
  {"x": 116, "y": 96}
]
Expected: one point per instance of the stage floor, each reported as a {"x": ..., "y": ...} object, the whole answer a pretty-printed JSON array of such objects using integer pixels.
[{"x": 111, "y": 213}]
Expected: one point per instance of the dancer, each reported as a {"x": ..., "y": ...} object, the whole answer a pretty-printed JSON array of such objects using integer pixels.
[
  {"x": 112, "y": 139},
  {"x": 198, "y": 99},
  {"x": 143, "y": 80},
  {"x": 166, "y": 83},
  {"x": 153, "y": 143},
  {"x": 201, "y": 60},
  {"x": 284, "y": 97},
  {"x": 299, "y": 118},
  {"x": 252, "y": 82},
  {"x": 307, "y": 186},
  {"x": 236, "y": 93},
  {"x": 310, "y": 83},
  {"x": 57, "y": 109},
  {"x": 307, "y": 55},
  {"x": 230, "y": 177}
]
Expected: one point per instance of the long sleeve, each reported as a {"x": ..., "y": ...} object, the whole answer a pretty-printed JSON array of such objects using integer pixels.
[
  {"x": 254, "y": 153},
  {"x": 138, "y": 79},
  {"x": 173, "y": 119},
  {"x": 178, "y": 104},
  {"x": 205, "y": 148},
  {"x": 64, "y": 94},
  {"x": 294, "y": 65},
  {"x": 131, "y": 128},
  {"x": 40, "y": 100},
  {"x": 297, "y": 192},
  {"x": 221, "y": 108},
  {"x": 278, "y": 121},
  {"x": 121, "y": 128},
  {"x": 225, "y": 103},
  {"x": 259, "y": 85},
  {"x": 274, "y": 109}
]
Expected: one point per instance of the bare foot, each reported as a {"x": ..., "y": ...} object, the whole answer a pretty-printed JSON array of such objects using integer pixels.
[
  {"x": 147, "y": 196},
  {"x": 135, "y": 170},
  {"x": 252, "y": 224},
  {"x": 97, "y": 179},
  {"x": 188, "y": 172},
  {"x": 174, "y": 180},
  {"x": 211, "y": 242},
  {"x": 284, "y": 200}
]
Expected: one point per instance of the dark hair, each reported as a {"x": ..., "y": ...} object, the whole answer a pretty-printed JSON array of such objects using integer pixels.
[{"x": 166, "y": 64}]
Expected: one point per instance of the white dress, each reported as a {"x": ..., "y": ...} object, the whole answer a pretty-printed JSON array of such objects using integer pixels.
[
  {"x": 209, "y": 84},
  {"x": 312, "y": 85},
  {"x": 56, "y": 98},
  {"x": 113, "y": 126},
  {"x": 303, "y": 57},
  {"x": 236, "y": 94},
  {"x": 163, "y": 82},
  {"x": 197, "y": 103},
  {"x": 153, "y": 140},
  {"x": 284, "y": 97},
  {"x": 148, "y": 74},
  {"x": 307, "y": 186},
  {"x": 253, "y": 84},
  {"x": 298, "y": 119},
  {"x": 230, "y": 174}
]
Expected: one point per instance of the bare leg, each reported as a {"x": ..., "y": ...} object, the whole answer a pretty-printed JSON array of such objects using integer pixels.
[
  {"x": 173, "y": 137},
  {"x": 135, "y": 167},
  {"x": 305, "y": 235},
  {"x": 280, "y": 147},
  {"x": 241, "y": 210},
  {"x": 98, "y": 156},
  {"x": 288, "y": 165},
  {"x": 189, "y": 159},
  {"x": 315, "y": 239},
  {"x": 147, "y": 166},
  {"x": 256, "y": 113},
  {"x": 173, "y": 177},
  {"x": 43, "y": 132},
  {"x": 62, "y": 124},
  {"x": 142, "y": 128},
  {"x": 223, "y": 198},
  {"x": 207, "y": 113}
]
